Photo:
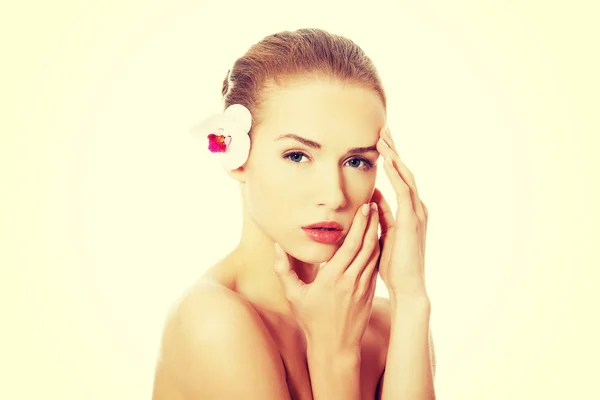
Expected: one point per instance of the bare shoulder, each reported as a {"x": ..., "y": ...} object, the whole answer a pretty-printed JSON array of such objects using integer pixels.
[
  {"x": 214, "y": 345},
  {"x": 381, "y": 318}
]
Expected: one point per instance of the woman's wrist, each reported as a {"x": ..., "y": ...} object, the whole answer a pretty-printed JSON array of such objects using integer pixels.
[
  {"x": 332, "y": 356},
  {"x": 334, "y": 374},
  {"x": 320, "y": 349},
  {"x": 417, "y": 294}
]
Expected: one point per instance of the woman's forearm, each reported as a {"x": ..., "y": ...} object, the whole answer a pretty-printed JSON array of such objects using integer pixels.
[
  {"x": 333, "y": 376},
  {"x": 408, "y": 369}
]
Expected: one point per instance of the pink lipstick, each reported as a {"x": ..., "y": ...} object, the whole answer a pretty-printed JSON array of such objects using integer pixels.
[{"x": 327, "y": 232}]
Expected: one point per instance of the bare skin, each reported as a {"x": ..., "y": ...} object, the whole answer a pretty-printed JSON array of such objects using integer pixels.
[
  {"x": 287, "y": 337},
  {"x": 233, "y": 335}
]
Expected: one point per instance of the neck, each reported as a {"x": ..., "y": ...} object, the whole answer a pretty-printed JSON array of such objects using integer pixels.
[{"x": 252, "y": 269}]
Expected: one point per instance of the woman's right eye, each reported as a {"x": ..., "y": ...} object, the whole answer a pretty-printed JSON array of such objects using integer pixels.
[{"x": 295, "y": 156}]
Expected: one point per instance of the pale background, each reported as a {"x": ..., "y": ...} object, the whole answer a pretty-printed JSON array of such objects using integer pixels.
[{"x": 109, "y": 209}]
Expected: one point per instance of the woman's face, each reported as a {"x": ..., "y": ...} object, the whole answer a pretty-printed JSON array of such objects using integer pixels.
[{"x": 313, "y": 159}]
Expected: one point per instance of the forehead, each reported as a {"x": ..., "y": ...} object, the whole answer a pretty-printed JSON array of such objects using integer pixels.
[{"x": 320, "y": 108}]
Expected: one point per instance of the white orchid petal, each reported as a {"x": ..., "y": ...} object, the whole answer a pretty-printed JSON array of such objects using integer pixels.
[
  {"x": 237, "y": 151},
  {"x": 241, "y": 115},
  {"x": 209, "y": 125},
  {"x": 234, "y": 123}
]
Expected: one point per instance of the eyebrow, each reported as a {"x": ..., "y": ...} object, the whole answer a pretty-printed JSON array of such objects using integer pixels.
[{"x": 317, "y": 146}]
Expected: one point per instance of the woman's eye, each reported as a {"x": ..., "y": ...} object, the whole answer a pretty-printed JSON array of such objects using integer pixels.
[
  {"x": 295, "y": 156},
  {"x": 355, "y": 163}
]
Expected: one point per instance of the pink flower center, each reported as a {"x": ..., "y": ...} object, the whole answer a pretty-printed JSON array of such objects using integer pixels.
[{"x": 218, "y": 143}]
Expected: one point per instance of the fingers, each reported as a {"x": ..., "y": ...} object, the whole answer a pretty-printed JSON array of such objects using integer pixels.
[
  {"x": 370, "y": 241},
  {"x": 289, "y": 279},
  {"x": 387, "y": 148},
  {"x": 387, "y": 222},
  {"x": 405, "y": 215},
  {"x": 386, "y": 217},
  {"x": 352, "y": 244},
  {"x": 369, "y": 275},
  {"x": 372, "y": 279}
]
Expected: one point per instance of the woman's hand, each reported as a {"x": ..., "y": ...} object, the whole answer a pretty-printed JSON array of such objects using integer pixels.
[
  {"x": 334, "y": 310},
  {"x": 402, "y": 240}
]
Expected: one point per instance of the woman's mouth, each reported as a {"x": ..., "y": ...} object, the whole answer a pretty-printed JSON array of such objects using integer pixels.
[{"x": 324, "y": 234}]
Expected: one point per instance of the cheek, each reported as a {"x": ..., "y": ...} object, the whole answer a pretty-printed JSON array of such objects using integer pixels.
[
  {"x": 269, "y": 194},
  {"x": 359, "y": 189}
]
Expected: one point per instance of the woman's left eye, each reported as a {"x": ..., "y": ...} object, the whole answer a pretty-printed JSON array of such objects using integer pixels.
[{"x": 357, "y": 161}]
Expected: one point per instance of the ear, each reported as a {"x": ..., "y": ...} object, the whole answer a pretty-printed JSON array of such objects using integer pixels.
[{"x": 238, "y": 174}]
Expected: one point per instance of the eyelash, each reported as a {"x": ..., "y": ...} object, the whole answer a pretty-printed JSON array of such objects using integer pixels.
[{"x": 368, "y": 164}]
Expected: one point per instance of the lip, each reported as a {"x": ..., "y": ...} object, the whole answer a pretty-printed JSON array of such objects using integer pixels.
[
  {"x": 325, "y": 224},
  {"x": 330, "y": 236}
]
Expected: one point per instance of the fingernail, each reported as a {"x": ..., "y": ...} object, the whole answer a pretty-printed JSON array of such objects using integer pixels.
[
  {"x": 388, "y": 161},
  {"x": 278, "y": 250},
  {"x": 365, "y": 209},
  {"x": 374, "y": 206}
]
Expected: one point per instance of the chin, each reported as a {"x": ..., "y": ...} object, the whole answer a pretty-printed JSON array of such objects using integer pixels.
[{"x": 316, "y": 253}]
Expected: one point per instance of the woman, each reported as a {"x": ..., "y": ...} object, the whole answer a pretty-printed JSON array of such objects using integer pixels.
[{"x": 290, "y": 313}]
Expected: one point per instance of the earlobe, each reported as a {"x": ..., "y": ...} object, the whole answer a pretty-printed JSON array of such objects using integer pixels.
[{"x": 238, "y": 174}]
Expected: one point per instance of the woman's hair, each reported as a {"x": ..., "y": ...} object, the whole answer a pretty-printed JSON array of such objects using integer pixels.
[{"x": 303, "y": 54}]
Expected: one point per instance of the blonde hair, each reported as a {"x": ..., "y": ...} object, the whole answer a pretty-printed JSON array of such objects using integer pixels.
[{"x": 300, "y": 54}]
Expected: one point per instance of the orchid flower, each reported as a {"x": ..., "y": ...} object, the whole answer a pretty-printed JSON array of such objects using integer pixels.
[{"x": 227, "y": 135}]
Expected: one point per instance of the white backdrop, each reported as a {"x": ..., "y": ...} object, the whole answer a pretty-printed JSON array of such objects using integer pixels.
[{"x": 110, "y": 209}]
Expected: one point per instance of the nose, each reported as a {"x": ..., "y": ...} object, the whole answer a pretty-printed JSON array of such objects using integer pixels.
[{"x": 329, "y": 185}]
